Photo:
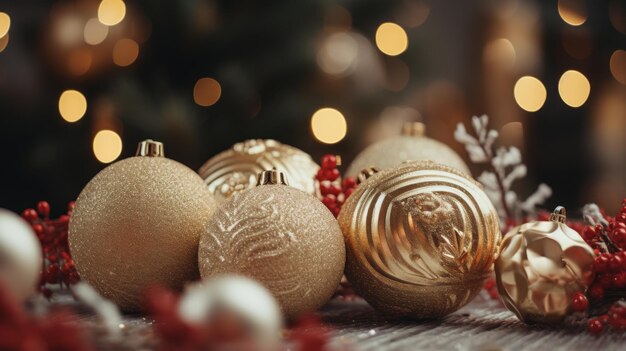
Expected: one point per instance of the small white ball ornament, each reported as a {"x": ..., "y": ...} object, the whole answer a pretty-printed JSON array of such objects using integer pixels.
[{"x": 20, "y": 255}]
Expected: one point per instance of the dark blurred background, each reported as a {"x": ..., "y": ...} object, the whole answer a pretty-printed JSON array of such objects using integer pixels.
[{"x": 82, "y": 81}]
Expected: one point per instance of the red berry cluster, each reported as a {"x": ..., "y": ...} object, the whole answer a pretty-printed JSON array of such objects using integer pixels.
[
  {"x": 492, "y": 288},
  {"x": 58, "y": 266},
  {"x": 332, "y": 189},
  {"x": 615, "y": 318},
  {"x": 609, "y": 242},
  {"x": 59, "y": 330},
  {"x": 222, "y": 331}
]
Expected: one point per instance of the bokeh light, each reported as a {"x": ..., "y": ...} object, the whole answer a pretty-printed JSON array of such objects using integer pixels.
[
  {"x": 125, "y": 52},
  {"x": 111, "y": 12},
  {"x": 5, "y": 24},
  {"x": 72, "y": 105},
  {"x": 207, "y": 91},
  {"x": 618, "y": 66},
  {"x": 573, "y": 12},
  {"x": 4, "y": 41},
  {"x": 530, "y": 94},
  {"x": 500, "y": 51},
  {"x": 338, "y": 53},
  {"x": 79, "y": 61},
  {"x": 95, "y": 32},
  {"x": 574, "y": 88},
  {"x": 328, "y": 125},
  {"x": 107, "y": 146},
  {"x": 391, "y": 39}
]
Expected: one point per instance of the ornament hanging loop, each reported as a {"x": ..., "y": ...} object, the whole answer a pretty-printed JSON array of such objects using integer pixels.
[
  {"x": 414, "y": 129},
  {"x": 366, "y": 173},
  {"x": 272, "y": 177},
  {"x": 150, "y": 148},
  {"x": 558, "y": 215}
]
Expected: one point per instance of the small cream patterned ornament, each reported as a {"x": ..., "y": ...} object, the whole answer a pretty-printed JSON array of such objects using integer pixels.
[
  {"x": 412, "y": 145},
  {"x": 420, "y": 238},
  {"x": 236, "y": 169},
  {"x": 542, "y": 264},
  {"x": 280, "y": 236}
]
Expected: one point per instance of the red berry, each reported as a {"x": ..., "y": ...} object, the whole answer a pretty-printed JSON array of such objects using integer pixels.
[
  {"x": 330, "y": 201},
  {"x": 335, "y": 211},
  {"x": 589, "y": 233},
  {"x": 331, "y": 174},
  {"x": 30, "y": 215},
  {"x": 619, "y": 280},
  {"x": 348, "y": 192},
  {"x": 596, "y": 292},
  {"x": 348, "y": 182},
  {"x": 615, "y": 263},
  {"x": 64, "y": 219},
  {"x": 580, "y": 302},
  {"x": 335, "y": 189},
  {"x": 595, "y": 326},
  {"x": 325, "y": 187},
  {"x": 329, "y": 162},
  {"x": 43, "y": 208},
  {"x": 601, "y": 263}
]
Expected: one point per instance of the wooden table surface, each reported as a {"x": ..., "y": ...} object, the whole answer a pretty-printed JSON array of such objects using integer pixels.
[{"x": 484, "y": 324}]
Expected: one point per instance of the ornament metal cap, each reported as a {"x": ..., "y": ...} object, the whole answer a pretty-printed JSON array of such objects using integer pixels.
[
  {"x": 271, "y": 177},
  {"x": 415, "y": 129},
  {"x": 150, "y": 148},
  {"x": 366, "y": 173},
  {"x": 558, "y": 215}
]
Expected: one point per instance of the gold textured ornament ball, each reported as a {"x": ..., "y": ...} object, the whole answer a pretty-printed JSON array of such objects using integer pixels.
[
  {"x": 236, "y": 169},
  {"x": 20, "y": 256},
  {"x": 541, "y": 266},
  {"x": 136, "y": 223},
  {"x": 280, "y": 236},
  {"x": 421, "y": 238},
  {"x": 412, "y": 145}
]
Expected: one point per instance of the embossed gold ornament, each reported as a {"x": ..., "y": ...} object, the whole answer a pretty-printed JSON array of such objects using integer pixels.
[
  {"x": 420, "y": 239},
  {"x": 20, "y": 256},
  {"x": 280, "y": 236},
  {"x": 236, "y": 169},
  {"x": 136, "y": 223},
  {"x": 412, "y": 145},
  {"x": 541, "y": 266}
]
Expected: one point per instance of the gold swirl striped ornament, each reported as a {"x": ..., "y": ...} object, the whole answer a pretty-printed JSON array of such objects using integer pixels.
[
  {"x": 236, "y": 169},
  {"x": 421, "y": 238}
]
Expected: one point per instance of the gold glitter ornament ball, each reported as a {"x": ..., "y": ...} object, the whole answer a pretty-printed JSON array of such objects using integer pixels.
[
  {"x": 280, "y": 236},
  {"x": 421, "y": 238},
  {"x": 541, "y": 266},
  {"x": 236, "y": 169},
  {"x": 136, "y": 223},
  {"x": 412, "y": 145}
]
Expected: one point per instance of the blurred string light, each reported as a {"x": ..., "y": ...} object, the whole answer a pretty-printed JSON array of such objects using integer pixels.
[
  {"x": 79, "y": 61},
  {"x": 5, "y": 24},
  {"x": 95, "y": 32},
  {"x": 391, "y": 39},
  {"x": 4, "y": 41},
  {"x": 338, "y": 54},
  {"x": 500, "y": 51},
  {"x": 617, "y": 15},
  {"x": 618, "y": 66},
  {"x": 111, "y": 12},
  {"x": 574, "y": 88},
  {"x": 573, "y": 12},
  {"x": 328, "y": 125},
  {"x": 512, "y": 133},
  {"x": 72, "y": 105},
  {"x": 412, "y": 14},
  {"x": 530, "y": 94},
  {"x": 107, "y": 146},
  {"x": 125, "y": 52},
  {"x": 207, "y": 91},
  {"x": 69, "y": 30}
]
